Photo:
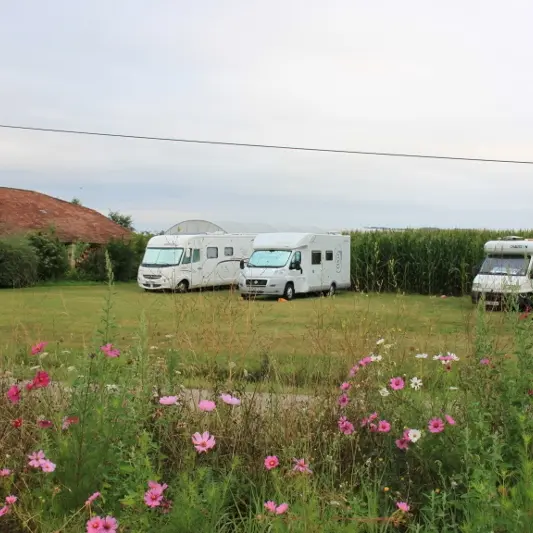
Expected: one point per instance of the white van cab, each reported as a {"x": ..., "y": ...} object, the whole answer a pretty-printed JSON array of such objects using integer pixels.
[
  {"x": 506, "y": 271},
  {"x": 183, "y": 262},
  {"x": 286, "y": 264}
]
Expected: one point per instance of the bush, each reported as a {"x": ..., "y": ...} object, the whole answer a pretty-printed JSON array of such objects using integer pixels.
[
  {"x": 18, "y": 263},
  {"x": 91, "y": 266},
  {"x": 52, "y": 256}
]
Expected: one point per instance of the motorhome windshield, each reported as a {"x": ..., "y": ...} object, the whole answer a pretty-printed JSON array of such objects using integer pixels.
[
  {"x": 506, "y": 265},
  {"x": 162, "y": 257},
  {"x": 269, "y": 258}
]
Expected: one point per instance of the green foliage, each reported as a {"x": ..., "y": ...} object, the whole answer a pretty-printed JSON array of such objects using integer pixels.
[
  {"x": 18, "y": 263},
  {"x": 126, "y": 221},
  {"x": 52, "y": 256},
  {"x": 418, "y": 261}
]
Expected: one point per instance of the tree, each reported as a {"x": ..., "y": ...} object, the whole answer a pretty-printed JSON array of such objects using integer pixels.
[
  {"x": 125, "y": 221},
  {"x": 76, "y": 201}
]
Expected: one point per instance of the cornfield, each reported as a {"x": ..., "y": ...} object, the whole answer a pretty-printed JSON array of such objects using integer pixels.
[{"x": 419, "y": 261}]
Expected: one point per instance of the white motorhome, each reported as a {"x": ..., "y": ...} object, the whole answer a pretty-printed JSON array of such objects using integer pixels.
[
  {"x": 506, "y": 271},
  {"x": 286, "y": 264},
  {"x": 183, "y": 262}
]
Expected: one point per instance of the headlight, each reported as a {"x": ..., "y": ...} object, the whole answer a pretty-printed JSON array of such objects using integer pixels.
[{"x": 476, "y": 286}]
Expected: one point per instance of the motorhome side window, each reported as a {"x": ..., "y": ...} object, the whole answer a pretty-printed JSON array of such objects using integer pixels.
[
  {"x": 297, "y": 257},
  {"x": 228, "y": 251},
  {"x": 212, "y": 252},
  {"x": 316, "y": 258},
  {"x": 329, "y": 255},
  {"x": 195, "y": 256}
]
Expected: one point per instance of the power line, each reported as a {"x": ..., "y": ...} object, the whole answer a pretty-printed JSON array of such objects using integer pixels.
[{"x": 271, "y": 146}]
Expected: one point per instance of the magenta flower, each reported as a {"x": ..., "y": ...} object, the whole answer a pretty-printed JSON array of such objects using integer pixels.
[
  {"x": 92, "y": 497},
  {"x": 229, "y": 399},
  {"x": 345, "y": 426},
  {"x": 301, "y": 466},
  {"x": 282, "y": 508},
  {"x": 354, "y": 370},
  {"x": 168, "y": 400},
  {"x": 403, "y": 506},
  {"x": 5, "y": 472},
  {"x": 153, "y": 498},
  {"x": 110, "y": 351},
  {"x": 271, "y": 507},
  {"x": 343, "y": 400},
  {"x": 36, "y": 459},
  {"x": 203, "y": 442},
  {"x": 346, "y": 386},
  {"x": 484, "y": 361},
  {"x": 157, "y": 486},
  {"x": 206, "y": 405},
  {"x": 384, "y": 426},
  {"x": 109, "y": 524},
  {"x": 397, "y": 383},
  {"x": 44, "y": 424},
  {"x": 38, "y": 348},
  {"x": 4, "y": 510},
  {"x": 41, "y": 380},
  {"x": 365, "y": 361},
  {"x": 13, "y": 394},
  {"x": 436, "y": 425},
  {"x": 450, "y": 420},
  {"x": 10, "y": 500},
  {"x": 47, "y": 466},
  {"x": 95, "y": 525},
  {"x": 271, "y": 462},
  {"x": 68, "y": 421},
  {"x": 402, "y": 444}
]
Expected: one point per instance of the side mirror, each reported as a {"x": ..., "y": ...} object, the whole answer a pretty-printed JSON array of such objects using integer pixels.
[
  {"x": 295, "y": 266},
  {"x": 241, "y": 264}
]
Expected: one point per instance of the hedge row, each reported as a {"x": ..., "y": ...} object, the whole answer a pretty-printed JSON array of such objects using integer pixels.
[{"x": 419, "y": 261}]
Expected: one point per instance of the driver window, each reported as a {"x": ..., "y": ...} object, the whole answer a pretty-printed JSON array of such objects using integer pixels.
[{"x": 187, "y": 257}]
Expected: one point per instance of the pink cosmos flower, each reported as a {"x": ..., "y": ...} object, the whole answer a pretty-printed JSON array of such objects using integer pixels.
[
  {"x": 270, "y": 506},
  {"x": 110, "y": 351},
  {"x": 403, "y": 506},
  {"x": 301, "y": 466},
  {"x": 343, "y": 400},
  {"x": 36, "y": 459},
  {"x": 38, "y": 348},
  {"x": 157, "y": 486},
  {"x": 365, "y": 361},
  {"x": 153, "y": 498},
  {"x": 13, "y": 394},
  {"x": 41, "y": 380},
  {"x": 406, "y": 435},
  {"x": 229, "y": 399},
  {"x": 354, "y": 370},
  {"x": 345, "y": 426},
  {"x": 44, "y": 424},
  {"x": 69, "y": 420},
  {"x": 384, "y": 426},
  {"x": 4, "y": 510},
  {"x": 271, "y": 462},
  {"x": 450, "y": 420},
  {"x": 282, "y": 508},
  {"x": 5, "y": 472},
  {"x": 17, "y": 423},
  {"x": 373, "y": 428},
  {"x": 10, "y": 500},
  {"x": 95, "y": 524},
  {"x": 436, "y": 425},
  {"x": 402, "y": 444},
  {"x": 203, "y": 442},
  {"x": 206, "y": 405},
  {"x": 109, "y": 524},
  {"x": 397, "y": 383},
  {"x": 92, "y": 497},
  {"x": 346, "y": 386},
  {"x": 484, "y": 361},
  {"x": 47, "y": 466},
  {"x": 168, "y": 400}
]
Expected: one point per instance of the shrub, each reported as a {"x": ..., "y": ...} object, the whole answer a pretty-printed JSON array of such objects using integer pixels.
[
  {"x": 18, "y": 263},
  {"x": 124, "y": 260},
  {"x": 52, "y": 256}
]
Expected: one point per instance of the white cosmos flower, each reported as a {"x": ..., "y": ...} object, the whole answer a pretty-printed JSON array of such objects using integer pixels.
[
  {"x": 436, "y": 357},
  {"x": 416, "y": 383},
  {"x": 453, "y": 356},
  {"x": 376, "y": 357},
  {"x": 380, "y": 341},
  {"x": 384, "y": 391},
  {"x": 414, "y": 435},
  {"x": 421, "y": 355},
  {"x": 454, "y": 388}
]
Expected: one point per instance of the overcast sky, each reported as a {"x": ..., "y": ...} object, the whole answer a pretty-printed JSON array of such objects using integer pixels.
[{"x": 449, "y": 78}]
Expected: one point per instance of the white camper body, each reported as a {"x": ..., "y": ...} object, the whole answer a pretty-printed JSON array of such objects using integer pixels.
[
  {"x": 285, "y": 264},
  {"x": 506, "y": 271},
  {"x": 183, "y": 262}
]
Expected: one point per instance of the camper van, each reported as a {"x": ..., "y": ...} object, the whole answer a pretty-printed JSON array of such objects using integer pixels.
[
  {"x": 183, "y": 262},
  {"x": 287, "y": 264},
  {"x": 506, "y": 271}
]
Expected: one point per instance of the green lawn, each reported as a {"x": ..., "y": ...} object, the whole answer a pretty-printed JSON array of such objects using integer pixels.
[{"x": 303, "y": 339}]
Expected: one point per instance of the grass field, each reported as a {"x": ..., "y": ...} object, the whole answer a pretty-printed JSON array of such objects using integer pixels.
[{"x": 307, "y": 339}]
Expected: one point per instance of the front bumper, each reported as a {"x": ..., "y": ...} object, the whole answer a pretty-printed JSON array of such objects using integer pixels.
[
  {"x": 160, "y": 284},
  {"x": 271, "y": 288},
  {"x": 502, "y": 299}
]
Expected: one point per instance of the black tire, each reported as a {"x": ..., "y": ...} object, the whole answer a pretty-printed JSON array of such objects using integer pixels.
[
  {"x": 183, "y": 286},
  {"x": 245, "y": 296},
  {"x": 288, "y": 294},
  {"x": 332, "y": 290}
]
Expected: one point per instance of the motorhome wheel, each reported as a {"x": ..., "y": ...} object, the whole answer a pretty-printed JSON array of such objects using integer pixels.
[
  {"x": 183, "y": 286},
  {"x": 332, "y": 289},
  {"x": 289, "y": 291}
]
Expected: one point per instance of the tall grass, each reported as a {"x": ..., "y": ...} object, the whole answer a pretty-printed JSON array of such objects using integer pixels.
[
  {"x": 472, "y": 475},
  {"x": 419, "y": 261}
]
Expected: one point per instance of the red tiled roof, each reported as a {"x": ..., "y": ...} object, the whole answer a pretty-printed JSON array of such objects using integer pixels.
[{"x": 22, "y": 211}]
